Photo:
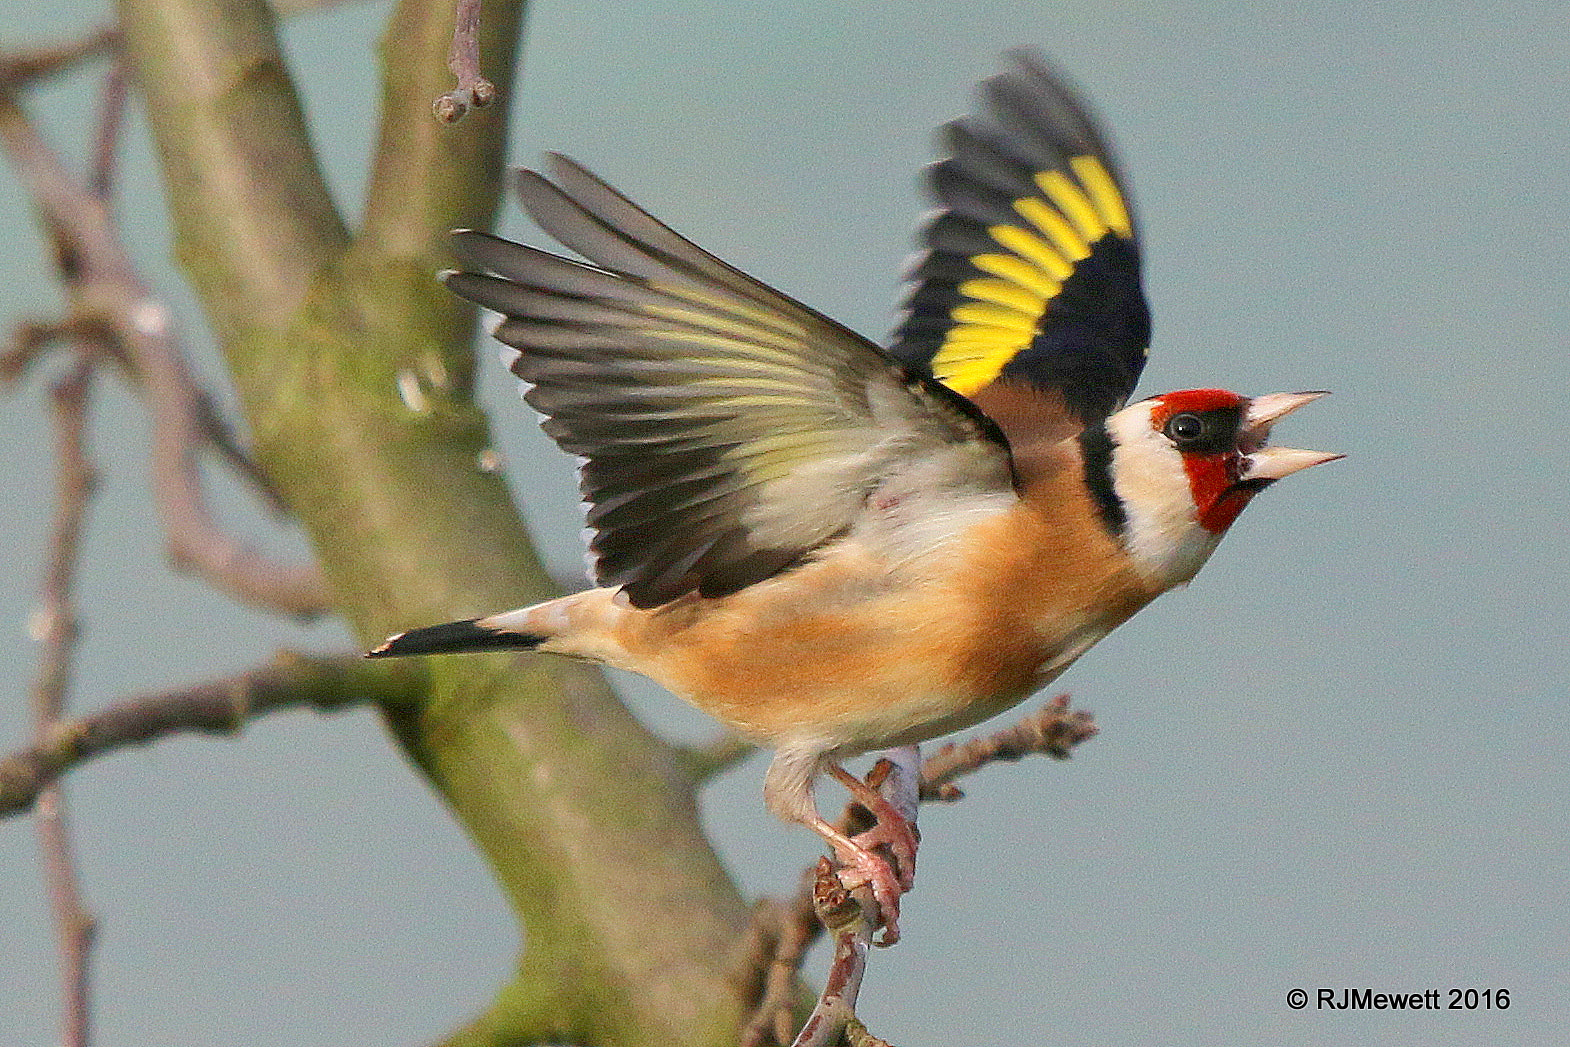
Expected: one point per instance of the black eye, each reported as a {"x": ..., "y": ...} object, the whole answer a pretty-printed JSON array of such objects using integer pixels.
[{"x": 1185, "y": 428}]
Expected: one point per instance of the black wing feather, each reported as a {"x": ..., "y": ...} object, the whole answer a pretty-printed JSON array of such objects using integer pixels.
[{"x": 1031, "y": 271}]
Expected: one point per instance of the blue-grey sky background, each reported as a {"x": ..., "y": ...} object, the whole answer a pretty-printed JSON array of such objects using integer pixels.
[{"x": 1338, "y": 759}]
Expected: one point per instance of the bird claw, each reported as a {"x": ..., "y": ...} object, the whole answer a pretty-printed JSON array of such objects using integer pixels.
[
  {"x": 865, "y": 865},
  {"x": 890, "y": 828},
  {"x": 895, "y": 832},
  {"x": 863, "y": 868}
]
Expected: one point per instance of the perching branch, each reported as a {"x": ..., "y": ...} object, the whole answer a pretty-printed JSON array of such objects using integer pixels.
[
  {"x": 223, "y": 706},
  {"x": 780, "y": 933},
  {"x": 845, "y": 917}
]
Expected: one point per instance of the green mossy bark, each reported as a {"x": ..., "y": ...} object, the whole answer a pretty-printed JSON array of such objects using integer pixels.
[{"x": 588, "y": 821}]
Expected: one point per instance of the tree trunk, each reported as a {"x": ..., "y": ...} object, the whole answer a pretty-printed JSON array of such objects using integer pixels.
[{"x": 355, "y": 370}]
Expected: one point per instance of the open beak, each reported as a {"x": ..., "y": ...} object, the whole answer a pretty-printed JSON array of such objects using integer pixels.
[{"x": 1263, "y": 464}]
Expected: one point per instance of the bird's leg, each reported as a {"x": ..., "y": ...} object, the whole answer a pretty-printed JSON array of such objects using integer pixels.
[
  {"x": 890, "y": 828},
  {"x": 787, "y": 789}
]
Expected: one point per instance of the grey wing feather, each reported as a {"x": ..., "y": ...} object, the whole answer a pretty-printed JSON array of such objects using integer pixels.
[{"x": 727, "y": 431}]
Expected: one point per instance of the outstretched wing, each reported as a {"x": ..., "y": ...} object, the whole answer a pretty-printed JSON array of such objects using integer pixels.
[
  {"x": 1031, "y": 268},
  {"x": 727, "y": 431}
]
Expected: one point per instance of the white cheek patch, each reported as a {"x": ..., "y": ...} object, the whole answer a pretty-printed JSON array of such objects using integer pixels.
[{"x": 1163, "y": 533}]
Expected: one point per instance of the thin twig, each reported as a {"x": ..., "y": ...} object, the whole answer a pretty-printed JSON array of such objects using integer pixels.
[
  {"x": 220, "y": 436},
  {"x": 106, "y": 289},
  {"x": 55, "y": 626},
  {"x": 31, "y": 338},
  {"x": 106, "y": 135},
  {"x": 1053, "y": 730},
  {"x": 222, "y": 706},
  {"x": 18, "y": 68},
  {"x": 473, "y": 90}
]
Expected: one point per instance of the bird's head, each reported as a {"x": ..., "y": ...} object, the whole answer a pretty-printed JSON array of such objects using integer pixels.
[{"x": 1183, "y": 465}]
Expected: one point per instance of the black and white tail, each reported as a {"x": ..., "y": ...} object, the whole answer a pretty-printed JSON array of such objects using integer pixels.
[{"x": 473, "y": 634}]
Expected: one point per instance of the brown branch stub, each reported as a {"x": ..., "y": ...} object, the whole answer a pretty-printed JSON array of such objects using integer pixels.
[
  {"x": 474, "y": 91},
  {"x": 221, "y": 706}
]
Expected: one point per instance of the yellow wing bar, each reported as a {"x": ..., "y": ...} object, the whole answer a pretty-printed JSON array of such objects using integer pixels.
[
  {"x": 1031, "y": 268},
  {"x": 999, "y": 315}
]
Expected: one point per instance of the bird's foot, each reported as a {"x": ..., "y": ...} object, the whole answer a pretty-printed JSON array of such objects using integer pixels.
[
  {"x": 883, "y": 856},
  {"x": 860, "y": 867},
  {"x": 890, "y": 829}
]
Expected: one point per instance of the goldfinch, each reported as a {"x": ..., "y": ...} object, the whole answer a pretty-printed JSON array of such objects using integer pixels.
[{"x": 835, "y": 547}]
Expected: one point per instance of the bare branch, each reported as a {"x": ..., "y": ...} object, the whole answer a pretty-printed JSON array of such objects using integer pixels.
[
  {"x": 220, "y": 435},
  {"x": 223, "y": 706},
  {"x": 55, "y": 625},
  {"x": 30, "y": 339},
  {"x": 106, "y": 292},
  {"x": 18, "y": 68},
  {"x": 1053, "y": 730},
  {"x": 845, "y": 916},
  {"x": 106, "y": 136},
  {"x": 426, "y": 176},
  {"x": 773, "y": 948},
  {"x": 473, "y": 90}
]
